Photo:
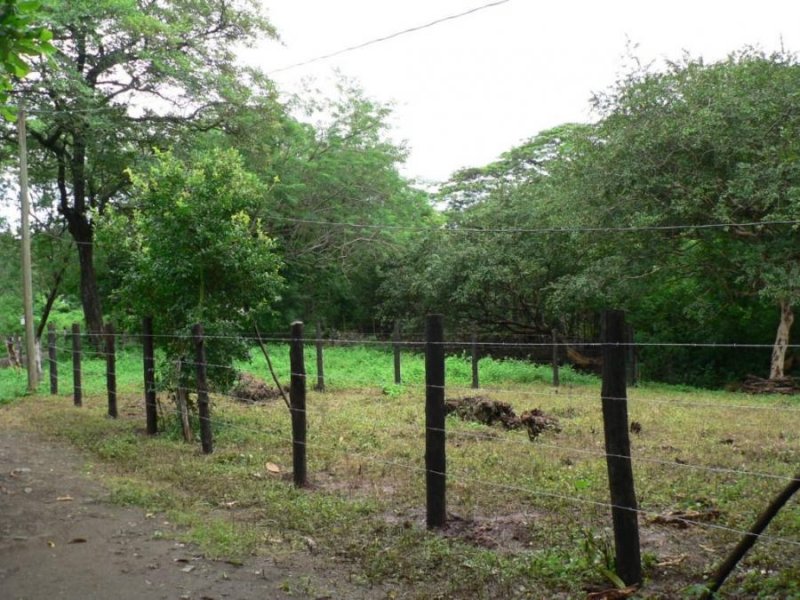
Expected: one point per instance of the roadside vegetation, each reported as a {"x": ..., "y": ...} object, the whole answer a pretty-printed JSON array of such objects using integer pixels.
[
  {"x": 524, "y": 515},
  {"x": 229, "y": 204}
]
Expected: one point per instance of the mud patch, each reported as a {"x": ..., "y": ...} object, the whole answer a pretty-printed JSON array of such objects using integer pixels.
[{"x": 506, "y": 533}]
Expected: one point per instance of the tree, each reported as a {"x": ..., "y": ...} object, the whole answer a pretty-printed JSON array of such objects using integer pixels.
[
  {"x": 127, "y": 76},
  {"x": 701, "y": 144},
  {"x": 194, "y": 251},
  {"x": 493, "y": 264},
  {"x": 338, "y": 206}
]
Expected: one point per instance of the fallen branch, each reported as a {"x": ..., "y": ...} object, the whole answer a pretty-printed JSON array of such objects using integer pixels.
[
  {"x": 751, "y": 536},
  {"x": 271, "y": 370}
]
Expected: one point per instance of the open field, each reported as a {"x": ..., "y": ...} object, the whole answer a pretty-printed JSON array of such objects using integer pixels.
[{"x": 528, "y": 519}]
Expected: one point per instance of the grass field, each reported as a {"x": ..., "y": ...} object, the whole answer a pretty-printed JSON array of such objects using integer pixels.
[{"x": 527, "y": 519}]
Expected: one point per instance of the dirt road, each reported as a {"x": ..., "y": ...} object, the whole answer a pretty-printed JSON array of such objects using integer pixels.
[{"x": 61, "y": 538}]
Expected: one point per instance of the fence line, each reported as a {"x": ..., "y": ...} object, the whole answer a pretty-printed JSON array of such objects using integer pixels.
[
  {"x": 283, "y": 339},
  {"x": 464, "y": 476},
  {"x": 613, "y": 399},
  {"x": 560, "y": 394},
  {"x": 533, "y": 446}
]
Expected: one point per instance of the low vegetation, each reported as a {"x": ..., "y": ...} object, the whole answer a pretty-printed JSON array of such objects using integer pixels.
[{"x": 526, "y": 517}]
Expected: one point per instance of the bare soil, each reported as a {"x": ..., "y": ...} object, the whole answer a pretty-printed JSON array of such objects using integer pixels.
[{"x": 60, "y": 537}]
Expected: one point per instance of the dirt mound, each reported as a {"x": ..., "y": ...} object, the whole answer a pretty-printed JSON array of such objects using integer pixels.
[
  {"x": 536, "y": 422},
  {"x": 250, "y": 388},
  {"x": 481, "y": 409}
]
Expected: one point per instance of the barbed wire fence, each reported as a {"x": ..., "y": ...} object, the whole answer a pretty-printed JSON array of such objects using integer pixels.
[{"x": 92, "y": 368}]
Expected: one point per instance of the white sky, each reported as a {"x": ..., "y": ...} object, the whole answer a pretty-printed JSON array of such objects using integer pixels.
[{"x": 467, "y": 90}]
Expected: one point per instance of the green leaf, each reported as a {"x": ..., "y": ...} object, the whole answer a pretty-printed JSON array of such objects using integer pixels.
[{"x": 8, "y": 112}]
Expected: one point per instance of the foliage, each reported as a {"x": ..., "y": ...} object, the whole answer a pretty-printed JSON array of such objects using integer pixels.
[
  {"x": 483, "y": 269},
  {"x": 20, "y": 36},
  {"x": 128, "y": 76},
  {"x": 342, "y": 169},
  {"x": 195, "y": 253},
  {"x": 581, "y": 218},
  {"x": 49, "y": 271},
  {"x": 700, "y": 144}
]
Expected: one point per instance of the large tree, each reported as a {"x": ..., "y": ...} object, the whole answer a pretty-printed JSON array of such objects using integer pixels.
[
  {"x": 701, "y": 145},
  {"x": 127, "y": 76},
  {"x": 339, "y": 208},
  {"x": 494, "y": 264}
]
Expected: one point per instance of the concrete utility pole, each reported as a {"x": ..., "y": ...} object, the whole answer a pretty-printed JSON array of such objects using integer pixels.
[{"x": 27, "y": 283}]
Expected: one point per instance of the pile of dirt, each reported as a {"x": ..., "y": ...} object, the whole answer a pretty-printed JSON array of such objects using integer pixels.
[
  {"x": 536, "y": 422},
  {"x": 250, "y": 388},
  {"x": 481, "y": 409},
  {"x": 782, "y": 385}
]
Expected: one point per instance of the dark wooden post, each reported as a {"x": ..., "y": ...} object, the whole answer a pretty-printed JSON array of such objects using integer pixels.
[
  {"x": 474, "y": 345},
  {"x": 111, "y": 371},
  {"x": 52, "y": 357},
  {"x": 556, "y": 381},
  {"x": 149, "y": 376},
  {"x": 618, "y": 449},
  {"x": 396, "y": 350},
  {"x": 320, "y": 363},
  {"x": 203, "y": 409},
  {"x": 297, "y": 398},
  {"x": 77, "y": 390},
  {"x": 435, "y": 460}
]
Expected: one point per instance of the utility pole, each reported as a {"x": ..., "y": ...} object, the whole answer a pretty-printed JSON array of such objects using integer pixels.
[{"x": 27, "y": 280}]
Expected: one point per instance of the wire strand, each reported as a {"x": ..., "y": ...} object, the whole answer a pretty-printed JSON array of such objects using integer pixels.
[{"x": 385, "y": 38}]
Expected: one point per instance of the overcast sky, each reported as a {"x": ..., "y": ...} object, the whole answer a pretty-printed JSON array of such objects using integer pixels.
[{"x": 468, "y": 89}]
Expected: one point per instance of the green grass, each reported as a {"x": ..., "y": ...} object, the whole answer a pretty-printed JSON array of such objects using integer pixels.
[
  {"x": 528, "y": 518},
  {"x": 351, "y": 366},
  {"x": 14, "y": 382}
]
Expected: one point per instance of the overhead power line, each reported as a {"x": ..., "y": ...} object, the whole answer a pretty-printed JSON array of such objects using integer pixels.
[
  {"x": 388, "y": 37},
  {"x": 539, "y": 230}
]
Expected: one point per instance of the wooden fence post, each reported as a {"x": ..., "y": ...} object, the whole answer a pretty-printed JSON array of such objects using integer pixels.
[
  {"x": 624, "y": 509},
  {"x": 77, "y": 390},
  {"x": 203, "y": 409},
  {"x": 52, "y": 357},
  {"x": 556, "y": 381},
  {"x": 149, "y": 376},
  {"x": 320, "y": 363},
  {"x": 111, "y": 371},
  {"x": 396, "y": 351},
  {"x": 475, "y": 358},
  {"x": 297, "y": 398},
  {"x": 435, "y": 459}
]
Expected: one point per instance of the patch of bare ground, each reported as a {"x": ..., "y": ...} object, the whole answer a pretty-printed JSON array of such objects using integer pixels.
[{"x": 61, "y": 537}]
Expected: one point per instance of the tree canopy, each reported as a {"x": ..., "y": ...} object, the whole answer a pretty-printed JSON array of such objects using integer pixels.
[
  {"x": 128, "y": 76},
  {"x": 680, "y": 205}
]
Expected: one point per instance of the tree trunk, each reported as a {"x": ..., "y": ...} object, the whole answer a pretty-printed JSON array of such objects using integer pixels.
[
  {"x": 51, "y": 298},
  {"x": 81, "y": 230},
  {"x": 781, "y": 341}
]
